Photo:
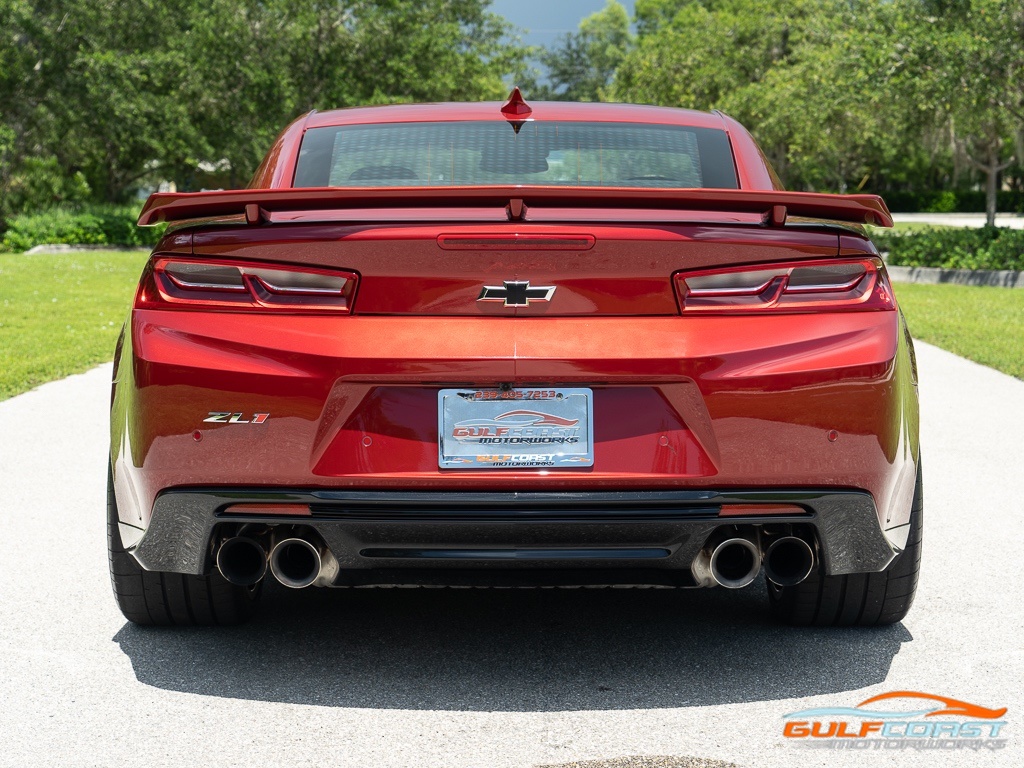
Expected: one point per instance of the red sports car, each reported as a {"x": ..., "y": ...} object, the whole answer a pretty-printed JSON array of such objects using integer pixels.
[{"x": 514, "y": 344}]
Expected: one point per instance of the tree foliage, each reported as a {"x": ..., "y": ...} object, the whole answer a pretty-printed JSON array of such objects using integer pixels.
[
  {"x": 977, "y": 72},
  {"x": 582, "y": 65},
  {"x": 847, "y": 94},
  {"x": 904, "y": 97},
  {"x": 97, "y": 96}
]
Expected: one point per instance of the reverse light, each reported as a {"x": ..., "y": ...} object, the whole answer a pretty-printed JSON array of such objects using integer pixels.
[
  {"x": 803, "y": 286},
  {"x": 191, "y": 283}
]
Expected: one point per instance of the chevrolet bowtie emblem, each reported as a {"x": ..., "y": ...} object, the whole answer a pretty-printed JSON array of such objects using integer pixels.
[{"x": 516, "y": 294}]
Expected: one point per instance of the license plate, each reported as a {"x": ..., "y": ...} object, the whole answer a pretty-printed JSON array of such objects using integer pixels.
[{"x": 536, "y": 428}]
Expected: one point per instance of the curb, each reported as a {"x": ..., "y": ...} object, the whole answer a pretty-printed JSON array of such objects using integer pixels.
[
  {"x": 1003, "y": 278},
  {"x": 61, "y": 248}
]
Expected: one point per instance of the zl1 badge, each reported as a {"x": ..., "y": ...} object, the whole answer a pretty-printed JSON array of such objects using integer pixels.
[{"x": 222, "y": 417}]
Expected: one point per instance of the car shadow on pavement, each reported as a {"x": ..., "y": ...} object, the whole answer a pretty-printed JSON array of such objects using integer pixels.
[{"x": 511, "y": 650}]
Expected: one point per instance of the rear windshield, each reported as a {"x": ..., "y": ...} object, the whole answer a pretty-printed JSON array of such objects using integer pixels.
[{"x": 474, "y": 153}]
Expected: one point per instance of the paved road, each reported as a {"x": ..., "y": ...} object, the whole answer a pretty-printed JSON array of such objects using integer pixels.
[
  {"x": 1011, "y": 220},
  {"x": 491, "y": 677}
]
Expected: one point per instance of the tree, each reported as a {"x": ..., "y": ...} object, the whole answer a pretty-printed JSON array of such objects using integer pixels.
[
  {"x": 977, "y": 69},
  {"x": 694, "y": 54},
  {"x": 837, "y": 113},
  {"x": 34, "y": 49},
  {"x": 842, "y": 94},
  {"x": 101, "y": 91},
  {"x": 427, "y": 50},
  {"x": 581, "y": 67},
  {"x": 106, "y": 95}
]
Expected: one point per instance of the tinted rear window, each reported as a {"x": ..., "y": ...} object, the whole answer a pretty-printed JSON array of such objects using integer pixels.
[{"x": 474, "y": 153}]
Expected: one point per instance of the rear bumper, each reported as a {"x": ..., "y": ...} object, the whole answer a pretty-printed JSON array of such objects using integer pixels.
[
  {"x": 701, "y": 403},
  {"x": 397, "y": 537}
]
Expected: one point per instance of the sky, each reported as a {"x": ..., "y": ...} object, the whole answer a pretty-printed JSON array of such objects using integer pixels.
[{"x": 547, "y": 20}]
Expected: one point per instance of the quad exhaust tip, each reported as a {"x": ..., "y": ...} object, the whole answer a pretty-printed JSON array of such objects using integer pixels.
[
  {"x": 295, "y": 563},
  {"x": 241, "y": 561},
  {"x": 735, "y": 563},
  {"x": 788, "y": 561},
  {"x": 732, "y": 563}
]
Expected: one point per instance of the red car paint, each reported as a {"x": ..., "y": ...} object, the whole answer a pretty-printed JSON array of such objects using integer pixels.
[{"x": 777, "y": 400}]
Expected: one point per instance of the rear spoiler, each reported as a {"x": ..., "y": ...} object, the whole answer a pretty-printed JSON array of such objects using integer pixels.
[{"x": 258, "y": 205}]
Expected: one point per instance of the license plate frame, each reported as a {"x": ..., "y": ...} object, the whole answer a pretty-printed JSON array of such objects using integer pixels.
[{"x": 520, "y": 428}]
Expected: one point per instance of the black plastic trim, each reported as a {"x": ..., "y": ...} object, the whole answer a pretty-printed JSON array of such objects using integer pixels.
[
  {"x": 595, "y": 530},
  {"x": 521, "y": 553}
]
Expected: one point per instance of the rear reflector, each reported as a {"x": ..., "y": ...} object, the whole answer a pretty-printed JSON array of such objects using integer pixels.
[
  {"x": 268, "y": 509},
  {"x": 805, "y": 286},
  {"x": 757, "y": 510},
  {"x": 190, "y": 283}
]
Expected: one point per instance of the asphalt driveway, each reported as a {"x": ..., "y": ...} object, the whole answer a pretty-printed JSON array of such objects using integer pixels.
[
  {"x": 972, "y": 220},
  {"x": 492, "y": 677}
]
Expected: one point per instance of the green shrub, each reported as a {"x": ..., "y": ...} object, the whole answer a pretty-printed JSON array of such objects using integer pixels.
[
  {"x": 951, "y": 201},
  {"x": 88, "y": 225},
  {"x": 40, "y": 183},
  {"x": 955, "y": 248},
  {"x": 944, "y": 202}
]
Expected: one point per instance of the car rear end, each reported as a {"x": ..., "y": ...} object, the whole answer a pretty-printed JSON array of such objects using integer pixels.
[{"x": 373, "y": 375}]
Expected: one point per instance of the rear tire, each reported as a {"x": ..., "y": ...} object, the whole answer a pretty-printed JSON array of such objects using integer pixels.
[
  {"x": 171, "y": 599},
  {"x": 857, "y": 599}
]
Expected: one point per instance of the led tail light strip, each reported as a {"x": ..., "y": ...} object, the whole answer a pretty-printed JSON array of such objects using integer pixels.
[
  {"x": 193, "y": 283},
  {"x": 804, "y": 286}
]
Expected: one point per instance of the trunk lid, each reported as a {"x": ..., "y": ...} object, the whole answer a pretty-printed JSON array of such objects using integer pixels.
[{"x": 442, "y": 269}]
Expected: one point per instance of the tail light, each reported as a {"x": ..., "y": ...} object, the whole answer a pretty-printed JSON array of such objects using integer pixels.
[
  {"x": 191, "y": 283},
  {"x": 803, "y": 286}
]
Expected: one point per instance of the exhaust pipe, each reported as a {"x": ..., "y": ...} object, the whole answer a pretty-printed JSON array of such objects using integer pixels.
[
  {"x": 298, "y": 563},
  {"x": 295, "y": 563},
  {"x": 733, "y": 563},
  {"x": 241, "y": 561},
  {"x": 788, "y": 561}
]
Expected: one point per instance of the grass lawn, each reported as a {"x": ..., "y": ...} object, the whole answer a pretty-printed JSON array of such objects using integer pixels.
[
  {"x": 61, "y": 314},
  {"x": 983, "y": 324}
]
